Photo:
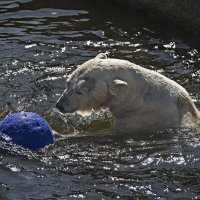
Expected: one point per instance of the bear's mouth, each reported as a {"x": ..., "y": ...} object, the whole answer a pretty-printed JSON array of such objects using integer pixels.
[{"x": 66, "y": 110}]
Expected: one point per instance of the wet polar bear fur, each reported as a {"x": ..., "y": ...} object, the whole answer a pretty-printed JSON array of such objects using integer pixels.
[{"x": 139, "y": 99}]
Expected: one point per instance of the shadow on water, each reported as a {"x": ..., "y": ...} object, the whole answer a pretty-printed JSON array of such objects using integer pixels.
[{"x": 41, "y": 42}]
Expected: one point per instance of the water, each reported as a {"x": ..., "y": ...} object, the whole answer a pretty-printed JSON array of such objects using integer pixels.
[{"x": 41, "y": 42}]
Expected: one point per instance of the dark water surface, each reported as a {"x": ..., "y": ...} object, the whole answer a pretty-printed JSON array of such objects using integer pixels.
[{"x": 41, "y": 42}]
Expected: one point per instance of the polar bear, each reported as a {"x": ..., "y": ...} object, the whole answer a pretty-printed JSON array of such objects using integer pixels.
[{"x": 139, "y": 99}]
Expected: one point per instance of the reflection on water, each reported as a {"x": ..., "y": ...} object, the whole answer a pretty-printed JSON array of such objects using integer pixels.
[
  {"x": 105, "y": 168},
  {"x": 41, "y": 42}
]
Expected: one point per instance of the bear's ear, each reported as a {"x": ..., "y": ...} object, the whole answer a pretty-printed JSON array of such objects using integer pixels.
[
  {"x": 116, "y": 84},
  {"x": 119, "y": 82},
  {"x": 102, "y": 56}
]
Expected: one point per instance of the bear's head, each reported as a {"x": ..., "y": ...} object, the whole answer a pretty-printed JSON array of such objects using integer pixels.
[
  {"x": 79, "y": 95},
  {"x": 90, "y": 86}
]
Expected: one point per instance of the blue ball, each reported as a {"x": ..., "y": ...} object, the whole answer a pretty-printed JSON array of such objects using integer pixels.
[{"x": 27, "y": 129}]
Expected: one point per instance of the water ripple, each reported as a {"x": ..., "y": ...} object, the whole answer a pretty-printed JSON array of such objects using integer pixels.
[{"x": 41, "y": 43}]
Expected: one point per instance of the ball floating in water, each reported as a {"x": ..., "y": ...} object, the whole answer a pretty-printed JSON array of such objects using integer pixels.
[{"x": 27, "y": 129}]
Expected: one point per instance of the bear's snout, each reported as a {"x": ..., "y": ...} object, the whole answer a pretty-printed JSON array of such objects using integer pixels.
[{"x": 64, "y": 106}]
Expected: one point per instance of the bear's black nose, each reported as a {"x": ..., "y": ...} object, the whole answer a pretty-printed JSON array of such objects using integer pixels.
[{"x": 59, "y": 106}]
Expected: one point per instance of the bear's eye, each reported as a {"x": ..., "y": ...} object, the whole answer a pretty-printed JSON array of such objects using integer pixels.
[{"x": 79, "y": 92}]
